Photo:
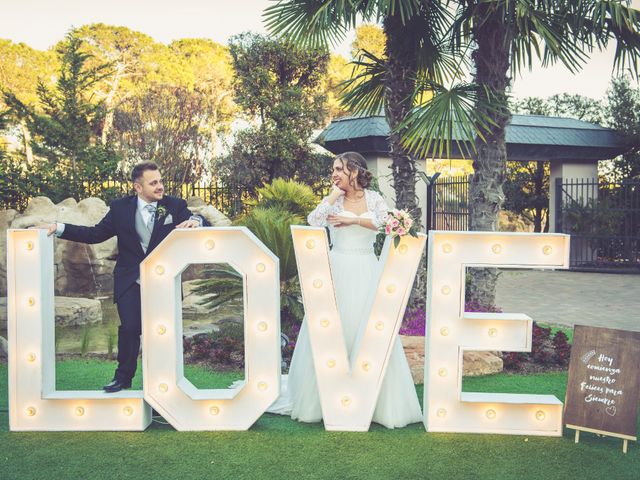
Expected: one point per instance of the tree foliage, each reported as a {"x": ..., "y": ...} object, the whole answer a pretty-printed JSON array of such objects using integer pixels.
[
  {"x": 167, "y": 125},
  {"x": 526, "y": 191},
  {"x": 67, "y": 124},
  {"x": 277, "y": 86},
  {"x": 562, "y": 105},
  {"x": 623, "y": 110}
]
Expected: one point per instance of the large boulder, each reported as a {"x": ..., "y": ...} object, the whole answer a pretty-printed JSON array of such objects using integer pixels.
[
  {"x": 414, "y": 351},
  {"x": 481, "y": 363},
  {"x": 6, "y": 217},
  {"x": 73, "y": 311},
  {"x": 212, "y": 214},
  {"x": 69, "y": 311},
  {"x": 215, "y": 218},
  {"x": 85, "y": 270},
  {"x": 475, "y": 363},
  {"x": 80, "y": 269}
]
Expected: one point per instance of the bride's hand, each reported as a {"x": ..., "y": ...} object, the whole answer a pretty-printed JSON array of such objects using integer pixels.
[
  {"x": 341, "y": 221},
  {"x": 335, "y": 193}
]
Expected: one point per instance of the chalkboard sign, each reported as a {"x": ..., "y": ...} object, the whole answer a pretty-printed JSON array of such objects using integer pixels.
[{"x": 604, "y": 384}]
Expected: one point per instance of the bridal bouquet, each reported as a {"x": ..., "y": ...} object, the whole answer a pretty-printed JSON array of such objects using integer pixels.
[{"x": 398, "y": 224}]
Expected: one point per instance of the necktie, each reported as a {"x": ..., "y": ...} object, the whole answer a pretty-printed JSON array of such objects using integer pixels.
[{"x": 152, "y": 210}]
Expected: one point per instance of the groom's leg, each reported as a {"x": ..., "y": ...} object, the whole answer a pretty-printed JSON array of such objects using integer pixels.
[{"x": 128, "y": 334}]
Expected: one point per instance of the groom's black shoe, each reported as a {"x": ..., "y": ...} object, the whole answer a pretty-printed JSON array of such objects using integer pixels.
[{"x": 116, "y": 385}]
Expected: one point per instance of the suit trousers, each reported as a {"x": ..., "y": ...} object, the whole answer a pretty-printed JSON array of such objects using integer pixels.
[{"x": 129, "y": 332}]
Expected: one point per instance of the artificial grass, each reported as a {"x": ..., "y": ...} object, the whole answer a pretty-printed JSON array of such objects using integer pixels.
[{"x": 277, "y": 447}]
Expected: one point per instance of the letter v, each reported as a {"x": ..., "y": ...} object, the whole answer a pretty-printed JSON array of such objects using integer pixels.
[{"x": 349, "y": 384}]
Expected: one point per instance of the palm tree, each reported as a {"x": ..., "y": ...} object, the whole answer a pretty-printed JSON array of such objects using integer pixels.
[
  {"x": 507, "y": 35},
  {"x": 413, "y": 29},
  {"x": 503, "y": 36}
]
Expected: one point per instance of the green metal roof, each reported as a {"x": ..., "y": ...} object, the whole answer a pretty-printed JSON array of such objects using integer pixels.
[{"x": 529, "y": 137}]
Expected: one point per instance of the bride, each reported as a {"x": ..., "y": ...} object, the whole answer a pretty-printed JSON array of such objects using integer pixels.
[{"x": 353, "y": 214}]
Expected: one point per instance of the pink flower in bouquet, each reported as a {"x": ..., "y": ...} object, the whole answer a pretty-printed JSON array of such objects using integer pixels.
[
  {"x": 401, "y": 231},
  {"x": 408, "y": 223},
  {"x": 387, "y": 230},
  {"x": 394, "y": 223}
]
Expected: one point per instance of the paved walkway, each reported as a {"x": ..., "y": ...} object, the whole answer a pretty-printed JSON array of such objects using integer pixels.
[{"x": 569, "y": 298}]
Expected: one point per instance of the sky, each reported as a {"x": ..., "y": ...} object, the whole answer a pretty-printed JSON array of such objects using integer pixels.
[{"x": 41, "y": 23}]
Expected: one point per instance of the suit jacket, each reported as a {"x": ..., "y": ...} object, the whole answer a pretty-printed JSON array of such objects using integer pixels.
[{"x": 120, "y": 221}]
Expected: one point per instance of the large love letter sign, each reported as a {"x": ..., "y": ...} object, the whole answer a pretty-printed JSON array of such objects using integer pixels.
[
  {"x": 34, "y": 403},
  {"x": 451, "y": 331},
  {"x": 165, "y": 386},
  {"x": 349, "y": 388}
]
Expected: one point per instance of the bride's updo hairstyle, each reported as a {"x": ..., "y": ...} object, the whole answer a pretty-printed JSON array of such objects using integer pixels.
[{"x": 354, "y": 162}]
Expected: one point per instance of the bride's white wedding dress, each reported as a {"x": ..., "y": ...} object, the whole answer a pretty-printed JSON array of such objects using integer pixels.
[{"x": 355, "y": 271}]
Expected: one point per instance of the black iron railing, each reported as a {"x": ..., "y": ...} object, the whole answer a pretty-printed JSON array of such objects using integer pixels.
[{"x": 603, "y": 219}]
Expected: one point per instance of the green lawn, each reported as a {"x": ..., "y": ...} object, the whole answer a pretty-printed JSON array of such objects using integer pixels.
[{"x": 277, "y": 447}]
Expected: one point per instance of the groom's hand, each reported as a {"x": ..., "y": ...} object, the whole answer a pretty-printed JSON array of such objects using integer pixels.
[
  {"x": 189, "y": 224},
  {"x": 49, "y": 227}
]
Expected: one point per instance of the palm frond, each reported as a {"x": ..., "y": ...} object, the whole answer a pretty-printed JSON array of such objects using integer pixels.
[
  {"x": 222, "y": 284},
  {"x": 364, "y": 91},
  {"x": 543, "y": 31},
  {"x": 272, "y": 226},
  {"x": 311, "y": 23},
  {"x": 450, "y": 115},
  {"x": 295, "y": 197}
]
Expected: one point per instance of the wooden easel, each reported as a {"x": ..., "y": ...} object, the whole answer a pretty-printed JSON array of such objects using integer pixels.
[{"x": 625, "y": 438}]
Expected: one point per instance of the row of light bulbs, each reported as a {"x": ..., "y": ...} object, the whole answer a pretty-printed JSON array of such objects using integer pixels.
[
  {"x": 491, "y": 414},
  {"x": 496, "y": 248},
  {"x": 345, "y": 400},
  {"x": 260, "y": 268},
  {"x": 79, "y": 411}
]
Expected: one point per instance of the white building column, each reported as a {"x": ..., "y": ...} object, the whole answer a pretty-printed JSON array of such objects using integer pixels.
[
  {"x": 574, "y": 170},
  {"x": 380, "y": 167}
]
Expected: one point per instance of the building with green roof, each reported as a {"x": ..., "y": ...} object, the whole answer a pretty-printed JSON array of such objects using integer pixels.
[{"x": 572, "y": 147}]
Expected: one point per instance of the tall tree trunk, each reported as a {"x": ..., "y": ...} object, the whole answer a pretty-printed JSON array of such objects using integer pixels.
[
  {"x": 26, "y": 138},
  {"x": 491, "y": 58},
  {"x": 108, "y": 103},
  {"x": 402, "y": 54},
  {"x": 399, "y": 88}
]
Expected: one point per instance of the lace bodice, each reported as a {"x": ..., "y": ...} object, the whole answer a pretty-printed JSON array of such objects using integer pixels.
[
  {"x": 376, "y": 206},
  {"x": 353, "y": 239}
]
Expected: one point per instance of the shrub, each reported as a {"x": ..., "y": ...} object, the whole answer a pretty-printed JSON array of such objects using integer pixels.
[
  {"x": 562, "y": 348},
  {"x": 224, "y": 348},
  {"x": 289, "y": 195},
  {"x": 546, "y": 351}
]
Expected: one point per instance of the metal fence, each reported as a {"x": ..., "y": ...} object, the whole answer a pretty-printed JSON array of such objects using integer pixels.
[
  {"x": 603, "y": 219},
  {"x": 229, "y": 198},
  {"x": 449, "y": 203},
  {"x": 226, "y": 197}
]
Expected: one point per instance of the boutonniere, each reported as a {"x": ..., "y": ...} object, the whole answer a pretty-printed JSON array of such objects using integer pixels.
[{"x": 161, "y": 211}]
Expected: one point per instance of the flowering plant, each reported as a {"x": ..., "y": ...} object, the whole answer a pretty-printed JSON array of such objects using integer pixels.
[
  {"x": 161, "y": 211},
  {"x": 398, "y": 224}
]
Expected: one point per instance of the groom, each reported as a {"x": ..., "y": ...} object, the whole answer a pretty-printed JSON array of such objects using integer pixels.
[{"x": 140, "y": 223}]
